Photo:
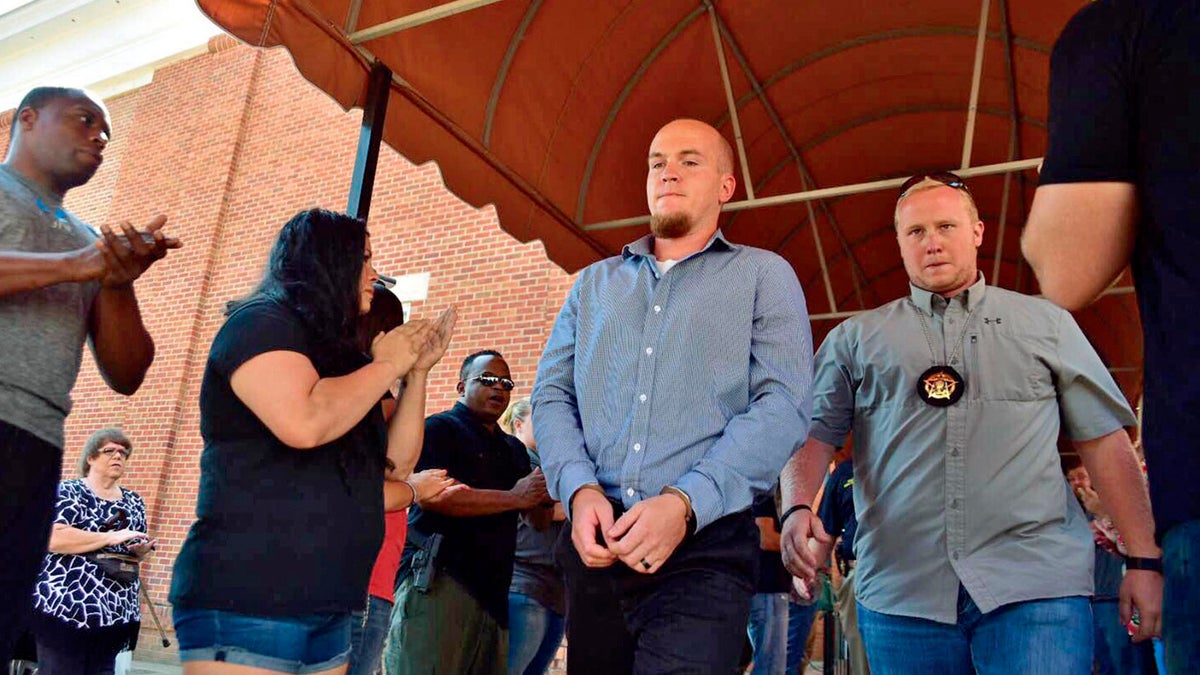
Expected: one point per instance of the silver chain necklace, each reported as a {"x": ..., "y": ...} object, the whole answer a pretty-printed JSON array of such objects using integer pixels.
[{"x": 941, "y": 385}]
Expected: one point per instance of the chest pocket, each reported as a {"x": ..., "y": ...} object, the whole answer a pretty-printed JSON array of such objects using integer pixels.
[{"x": 1005, "y": 367}]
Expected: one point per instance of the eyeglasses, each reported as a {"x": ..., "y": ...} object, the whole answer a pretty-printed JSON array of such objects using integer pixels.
[
  {"x": 944, "y": 177},
  {"x": 493, "y": 380},
  {"x": 110, "y": 449}
]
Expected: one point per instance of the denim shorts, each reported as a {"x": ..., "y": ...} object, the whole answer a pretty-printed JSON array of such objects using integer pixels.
[{"x": 307, "y": 643}]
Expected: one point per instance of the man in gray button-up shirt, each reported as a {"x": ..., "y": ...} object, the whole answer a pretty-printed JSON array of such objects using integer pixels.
[
  {"x": 673, "y": 388},
  {"x": 969, "y": 545}
]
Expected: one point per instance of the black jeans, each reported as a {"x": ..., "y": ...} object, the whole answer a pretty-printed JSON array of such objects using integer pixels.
[
  {"x": 29, "y": 473},
  {"x": 81, "y": 659},
  {"x": 689, "y": 617}
]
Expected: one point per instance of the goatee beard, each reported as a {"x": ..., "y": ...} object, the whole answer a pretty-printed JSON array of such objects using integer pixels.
[{"x": 670, "y": 225}]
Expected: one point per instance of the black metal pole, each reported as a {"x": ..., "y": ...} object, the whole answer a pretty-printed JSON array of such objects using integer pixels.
[
  {"x": 830, "y": 636},
  {"x": 362, "y": 184}
]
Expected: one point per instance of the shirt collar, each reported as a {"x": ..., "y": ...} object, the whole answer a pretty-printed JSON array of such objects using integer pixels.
[
  {"x": 464, "y": 413},
  {"x": 644, "y": 247},
  {"x": 38, "y": 191},
  {"x": 923, "y": 299}
]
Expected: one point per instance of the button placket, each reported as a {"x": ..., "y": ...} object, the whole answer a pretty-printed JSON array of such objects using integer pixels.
[
  {"x": 956, "y": 480},
  {"x": 651, "y": 328}
]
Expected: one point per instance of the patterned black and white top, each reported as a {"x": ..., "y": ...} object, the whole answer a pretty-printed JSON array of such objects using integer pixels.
[{"x": 71, "y": 589}]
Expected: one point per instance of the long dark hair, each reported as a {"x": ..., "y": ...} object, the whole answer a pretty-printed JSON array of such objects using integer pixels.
[{"x": 314, "y": 269}]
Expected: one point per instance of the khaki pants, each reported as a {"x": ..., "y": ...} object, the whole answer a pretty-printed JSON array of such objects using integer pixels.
[
  {"x": 847, "y": 612},
  {"x": 444, "y": 631}
]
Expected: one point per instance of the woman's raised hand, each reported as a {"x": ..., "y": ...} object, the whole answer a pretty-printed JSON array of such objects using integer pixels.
[
  {"x": 403, "y": 345},
  {"x": 435, "y": 348}
]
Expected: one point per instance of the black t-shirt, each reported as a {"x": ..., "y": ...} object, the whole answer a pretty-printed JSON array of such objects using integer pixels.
[
  {"x": 837, "y": 508},
  {"x": 1125, "y": 107},
  {"x": 477, "y": 551},
  {"x": 279, "y": 531},
  {"x": 773, "y": 577}
]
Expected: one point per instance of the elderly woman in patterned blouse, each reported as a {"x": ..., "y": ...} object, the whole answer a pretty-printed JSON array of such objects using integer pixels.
[{"x": 87, "y": 611}]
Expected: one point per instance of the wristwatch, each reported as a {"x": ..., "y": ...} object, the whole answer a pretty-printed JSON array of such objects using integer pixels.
[
  {"x": 690, "y": 516},
  {"x": 1148, "y": 564}
]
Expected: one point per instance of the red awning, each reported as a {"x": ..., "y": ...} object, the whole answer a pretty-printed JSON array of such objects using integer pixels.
[{"x": 545, "y": 108}]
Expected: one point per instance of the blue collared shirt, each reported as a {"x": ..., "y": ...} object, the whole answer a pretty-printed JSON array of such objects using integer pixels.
[{"x": 699, "y": 378}]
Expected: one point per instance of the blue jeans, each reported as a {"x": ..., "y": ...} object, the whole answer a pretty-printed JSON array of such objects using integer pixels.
[
  {"x": 1116, "y": 654},
  {"x": 534, "y": 634},
  {"x": 768, "y": 633},
  {"x": 800, "y": 621},
  {"x": 367, "y": 633},
  {"x": 1036, "y": 637},
  {"x": 308, "y": 643},
  {"x": 1181, "y": 597}
]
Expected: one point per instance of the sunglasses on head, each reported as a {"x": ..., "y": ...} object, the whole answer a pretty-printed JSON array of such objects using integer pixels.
[
  {"x": 492, "y": 380},
  {"x": 110, "y": 449},
  {"x": 944, "y": 177}
]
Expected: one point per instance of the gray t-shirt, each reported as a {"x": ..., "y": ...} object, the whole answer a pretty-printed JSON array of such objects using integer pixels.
[
  {"x": 42, "y": 331},
  {"x": 973, "y": 493}
]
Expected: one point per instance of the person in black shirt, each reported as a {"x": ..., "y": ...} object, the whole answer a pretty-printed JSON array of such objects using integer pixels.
[
  {"x": 837, "y": 516},
  {"x": 1121, "y": 187},
  {"x": 451, "y": 613},
  {"x": 290, "y": 510}
]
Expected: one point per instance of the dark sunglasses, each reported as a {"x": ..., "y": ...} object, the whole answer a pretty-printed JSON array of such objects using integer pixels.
[
  {"x": 108, "y": 450},
  {"x": 492, "y": 380},
  {"x": 944, "y": 177}
]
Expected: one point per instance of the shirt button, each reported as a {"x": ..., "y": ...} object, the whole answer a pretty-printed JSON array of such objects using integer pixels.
[
  {"x": 642, "y": 398},
  {"x": 954, "y": 503},
  {"x": 952, "y": 555},
  {"x": 637, "y": 447},
  {"x": 630, "y": 493},
  {"x": 954, "y": 452},
  {"x": 649, "y": 350},
  {"x": 657, "y": 309}
]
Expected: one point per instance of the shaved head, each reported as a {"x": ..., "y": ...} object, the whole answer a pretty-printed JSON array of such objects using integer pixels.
[
  {"x": 38, "y": 97},
  {"x": 721, "y": 147},
  {"x": 690, "y": 176},
  {"x": 58, "y": 137}
]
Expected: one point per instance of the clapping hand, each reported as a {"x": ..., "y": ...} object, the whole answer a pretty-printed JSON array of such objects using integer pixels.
[
  {"x": 435, "y": 347},
  {"x": 403, "y": 345},
  {"x": 127, "y": 255}
]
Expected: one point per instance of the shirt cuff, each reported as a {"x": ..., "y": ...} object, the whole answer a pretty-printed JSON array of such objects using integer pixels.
[
  {"x": 706, "y": 498},
  {"x": 570, "y": 478}
]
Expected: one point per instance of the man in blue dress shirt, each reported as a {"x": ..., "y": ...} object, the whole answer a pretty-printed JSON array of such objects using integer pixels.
[{"x": 674, "y": 387}]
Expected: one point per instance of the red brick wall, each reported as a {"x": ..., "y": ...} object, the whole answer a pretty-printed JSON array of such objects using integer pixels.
[{"x": 229, "y": 145}]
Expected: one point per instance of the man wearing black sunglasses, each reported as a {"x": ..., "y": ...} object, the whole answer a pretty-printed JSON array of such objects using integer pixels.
[
  {"x": 970, "y": 550},
  {"x": 451, "y": 611}
]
